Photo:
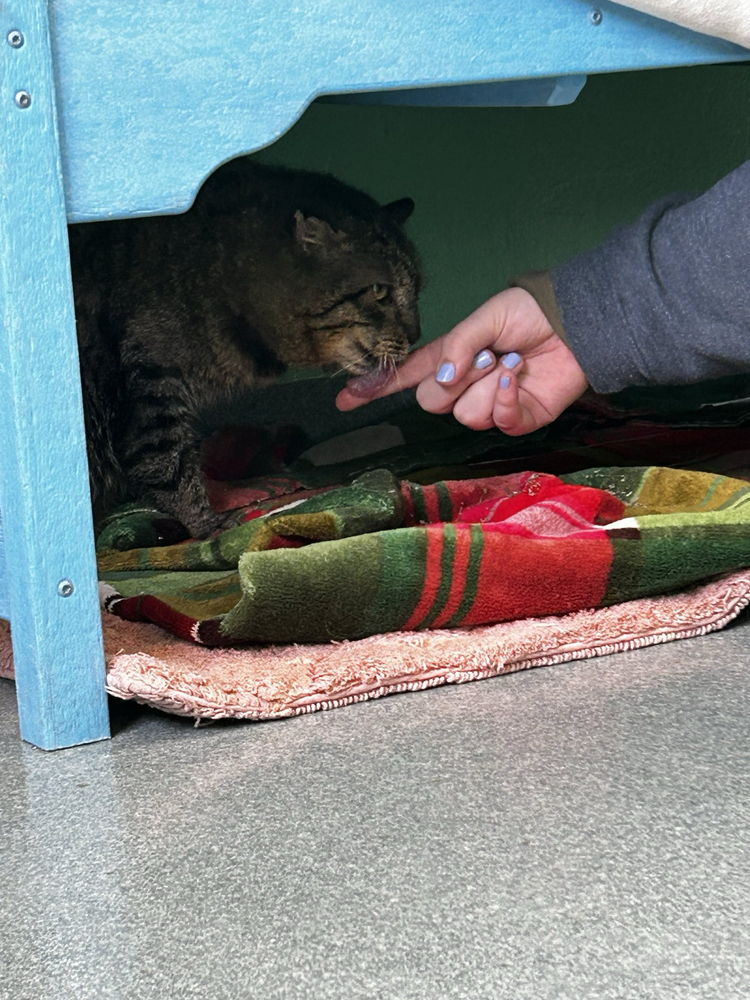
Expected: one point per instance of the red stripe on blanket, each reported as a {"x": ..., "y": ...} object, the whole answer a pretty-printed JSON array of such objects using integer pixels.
[
  {"x": 146, "y": 608},
  {"x": 527, "y": 578},
  {"x": 458, "y": 580},
  {"x": 432, "y": 575},
  {"x": 432, "y": 504},
  {"x": 408, "y": 502},
  {"x": 280, "y": 542},
  {"x": 592, "y": 506}
]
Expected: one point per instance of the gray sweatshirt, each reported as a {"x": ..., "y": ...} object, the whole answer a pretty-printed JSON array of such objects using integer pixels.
[{"x": 666, "y": 300}]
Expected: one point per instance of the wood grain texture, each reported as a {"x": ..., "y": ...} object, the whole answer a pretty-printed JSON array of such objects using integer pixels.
[
  {"x": 154, "y": 94},
  {"x": 4, "y": 610},
  {"x": 44, "y": 493}
]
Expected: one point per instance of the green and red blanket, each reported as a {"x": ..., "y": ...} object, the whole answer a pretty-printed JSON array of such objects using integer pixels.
[{"x": 382, "y": 555}]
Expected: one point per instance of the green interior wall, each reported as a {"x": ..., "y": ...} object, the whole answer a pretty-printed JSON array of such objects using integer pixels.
[{"x": 500, "y": 190}]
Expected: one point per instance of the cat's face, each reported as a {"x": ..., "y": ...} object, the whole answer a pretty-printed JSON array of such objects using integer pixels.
[{"x": 359, "y": 290}]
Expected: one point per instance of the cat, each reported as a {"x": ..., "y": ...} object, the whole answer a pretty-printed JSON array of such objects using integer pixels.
[{"x": 270, "y": 268}]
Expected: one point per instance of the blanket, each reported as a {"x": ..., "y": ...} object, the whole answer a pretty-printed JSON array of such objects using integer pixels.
[
  {"x": 383, "y": 556},
  {"x": 270, "y": 682},
  {"x": 251, "y": 470},
  {"x": 728, "y": 19}
]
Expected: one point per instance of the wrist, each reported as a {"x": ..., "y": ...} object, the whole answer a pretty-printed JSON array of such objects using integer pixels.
[{"x": 539, "y": 285}]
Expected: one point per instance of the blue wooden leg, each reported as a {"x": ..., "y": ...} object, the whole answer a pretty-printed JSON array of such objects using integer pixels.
[{"x": 50, "y": 588}]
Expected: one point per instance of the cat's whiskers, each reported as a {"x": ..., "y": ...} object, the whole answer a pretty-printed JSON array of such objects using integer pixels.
[{"x": 388, "y": 364}]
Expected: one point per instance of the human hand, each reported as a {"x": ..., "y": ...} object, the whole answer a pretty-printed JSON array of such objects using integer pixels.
[{"x": 459, "y": 372}]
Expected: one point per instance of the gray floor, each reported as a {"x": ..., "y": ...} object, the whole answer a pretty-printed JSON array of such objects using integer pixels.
[{"x": 579, "y": 831}]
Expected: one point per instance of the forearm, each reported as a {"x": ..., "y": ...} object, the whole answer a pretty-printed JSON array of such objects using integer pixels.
[{"x": 666, "y": 300}]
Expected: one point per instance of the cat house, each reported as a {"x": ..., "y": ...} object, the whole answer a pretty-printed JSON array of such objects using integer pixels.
[{"x": 522, "y": 131}]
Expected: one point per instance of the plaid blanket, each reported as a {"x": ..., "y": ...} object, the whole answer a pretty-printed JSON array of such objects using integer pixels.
[{"x": 383, "y": 555}]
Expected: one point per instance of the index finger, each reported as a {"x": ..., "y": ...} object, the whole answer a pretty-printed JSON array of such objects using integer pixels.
[{"x": 417, "y": 367}]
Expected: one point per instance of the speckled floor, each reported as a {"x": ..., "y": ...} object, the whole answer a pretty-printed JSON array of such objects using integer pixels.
[{"x": 580, "y": 831}]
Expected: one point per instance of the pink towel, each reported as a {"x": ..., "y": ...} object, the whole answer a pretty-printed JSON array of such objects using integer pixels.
[{"x": 153, "y": 667}]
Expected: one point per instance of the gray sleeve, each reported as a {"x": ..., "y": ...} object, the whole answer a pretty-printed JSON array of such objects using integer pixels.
[{"x": 666, "y": 300}]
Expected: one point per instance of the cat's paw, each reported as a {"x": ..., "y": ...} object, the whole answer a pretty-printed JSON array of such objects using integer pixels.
[
  {"x": 198, "y": 519},
  {"x": 205, "y": 523}
]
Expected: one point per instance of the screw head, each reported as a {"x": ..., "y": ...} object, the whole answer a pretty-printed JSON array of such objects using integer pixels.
[
  {"x": 22, "y": 99},
  {"x": 595, "y": 16},
  {"x": 15, "y": 38},
  {"x": 65, "y": 588}
]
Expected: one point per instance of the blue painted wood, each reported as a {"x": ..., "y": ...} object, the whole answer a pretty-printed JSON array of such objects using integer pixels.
[
  {"x": 44, "y": 497},
  {"x": 542, "y": 92},
  {"x": 4, "y": 609},
  {"x": 154, "y": 94}
]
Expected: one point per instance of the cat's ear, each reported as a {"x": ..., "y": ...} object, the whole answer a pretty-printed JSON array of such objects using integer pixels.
[
  {"x": 398, "y": 211},
  {"x": 312, "y": 233}
]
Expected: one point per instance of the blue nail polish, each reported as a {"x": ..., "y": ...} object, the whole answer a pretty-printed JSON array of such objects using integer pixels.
[
  {"x": 511, "y": 360},
  {"x": 505, "y": 381},
  {"x": 483, "y": 360},
  {"x": 445, "y": 373}
]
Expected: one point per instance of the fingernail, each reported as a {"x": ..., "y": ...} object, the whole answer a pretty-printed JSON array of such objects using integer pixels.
[
  {"x": 510, "y": 360},
  {"x": 445, "y": 373},
  {"x": 505, "y": 381},
  {"x": 484, "y": 359}
]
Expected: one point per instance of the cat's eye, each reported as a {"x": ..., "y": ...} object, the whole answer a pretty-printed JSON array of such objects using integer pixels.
[{"x": 380, "y": 291}]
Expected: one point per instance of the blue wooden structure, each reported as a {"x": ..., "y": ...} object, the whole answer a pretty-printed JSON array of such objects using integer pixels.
[{"x": 118, "y": 110}]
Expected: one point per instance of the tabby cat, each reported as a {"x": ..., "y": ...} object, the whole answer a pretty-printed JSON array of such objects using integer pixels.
[{"x": 176, "y": 314}]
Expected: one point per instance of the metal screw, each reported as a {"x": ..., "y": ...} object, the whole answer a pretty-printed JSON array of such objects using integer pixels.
[
  {"x": 65, "y": 588},
  {"x": 23, "y": 99},
  {"x": 15, "y": 38},
  {"x": 595, "y": 17}
]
